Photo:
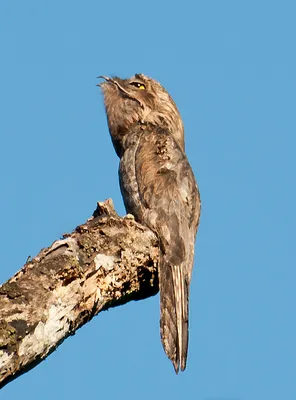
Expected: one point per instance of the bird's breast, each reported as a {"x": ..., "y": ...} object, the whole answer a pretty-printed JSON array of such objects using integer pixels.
[{"x": 128, "y": 182}]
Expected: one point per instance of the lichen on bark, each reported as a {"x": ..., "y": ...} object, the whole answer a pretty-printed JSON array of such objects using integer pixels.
[{"x": 104, "y": 262}]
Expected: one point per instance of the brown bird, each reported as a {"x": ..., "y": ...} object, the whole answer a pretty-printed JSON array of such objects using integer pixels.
[{"x": 159, "y": 189}]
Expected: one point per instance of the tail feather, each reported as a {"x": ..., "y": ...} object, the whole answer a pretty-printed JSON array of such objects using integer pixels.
[{"x": 174, "y": 313}]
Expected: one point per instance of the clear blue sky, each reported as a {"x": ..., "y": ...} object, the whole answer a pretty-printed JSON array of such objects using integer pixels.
[{"x": 230, "y": 66}]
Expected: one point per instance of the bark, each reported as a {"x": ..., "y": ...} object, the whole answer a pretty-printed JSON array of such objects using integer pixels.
[{"x": 104, "y": 263}]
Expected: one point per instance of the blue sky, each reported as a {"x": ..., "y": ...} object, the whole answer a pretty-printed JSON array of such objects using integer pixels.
[{"x": 230, "y": 66}]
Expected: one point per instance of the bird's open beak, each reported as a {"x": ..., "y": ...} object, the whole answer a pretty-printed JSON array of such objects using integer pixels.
[
  {"x": 115, "y": 83},
  {"x": 107, "y": 79}
]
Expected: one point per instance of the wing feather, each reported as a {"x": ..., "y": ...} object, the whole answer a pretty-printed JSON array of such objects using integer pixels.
[{"x": 170, "y": 197}]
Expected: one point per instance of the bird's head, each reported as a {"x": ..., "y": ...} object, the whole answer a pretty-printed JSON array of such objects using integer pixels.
[{"x": 139, "y": 99}]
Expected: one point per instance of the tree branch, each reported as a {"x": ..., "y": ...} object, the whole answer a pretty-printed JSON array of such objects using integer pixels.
[{"x": 104, "y": 263}]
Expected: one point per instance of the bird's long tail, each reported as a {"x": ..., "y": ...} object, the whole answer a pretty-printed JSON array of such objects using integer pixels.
[{"x": 174, "y": 291}]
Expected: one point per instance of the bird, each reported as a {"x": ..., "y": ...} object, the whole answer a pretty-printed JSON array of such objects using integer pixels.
[{"x": 159, "y": 189}]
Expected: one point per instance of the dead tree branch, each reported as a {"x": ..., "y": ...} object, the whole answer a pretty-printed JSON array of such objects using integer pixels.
[{"x": 104, "y": 263}]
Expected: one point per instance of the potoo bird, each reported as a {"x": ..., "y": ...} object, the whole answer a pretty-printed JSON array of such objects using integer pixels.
[{"x": 159, "y": 189}]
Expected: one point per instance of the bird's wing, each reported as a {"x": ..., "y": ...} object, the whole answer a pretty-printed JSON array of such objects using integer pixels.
[{"x": 170, "y": 200}]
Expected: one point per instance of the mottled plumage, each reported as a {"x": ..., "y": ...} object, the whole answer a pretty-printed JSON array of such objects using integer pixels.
[{"x": 159, "y": 189}]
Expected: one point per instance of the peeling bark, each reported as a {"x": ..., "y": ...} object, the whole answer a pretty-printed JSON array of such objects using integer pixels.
[{"x": 104, "y": 263}]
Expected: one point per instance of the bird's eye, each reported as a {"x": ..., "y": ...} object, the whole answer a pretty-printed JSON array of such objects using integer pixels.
[{"x": 138, "y": 85}]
